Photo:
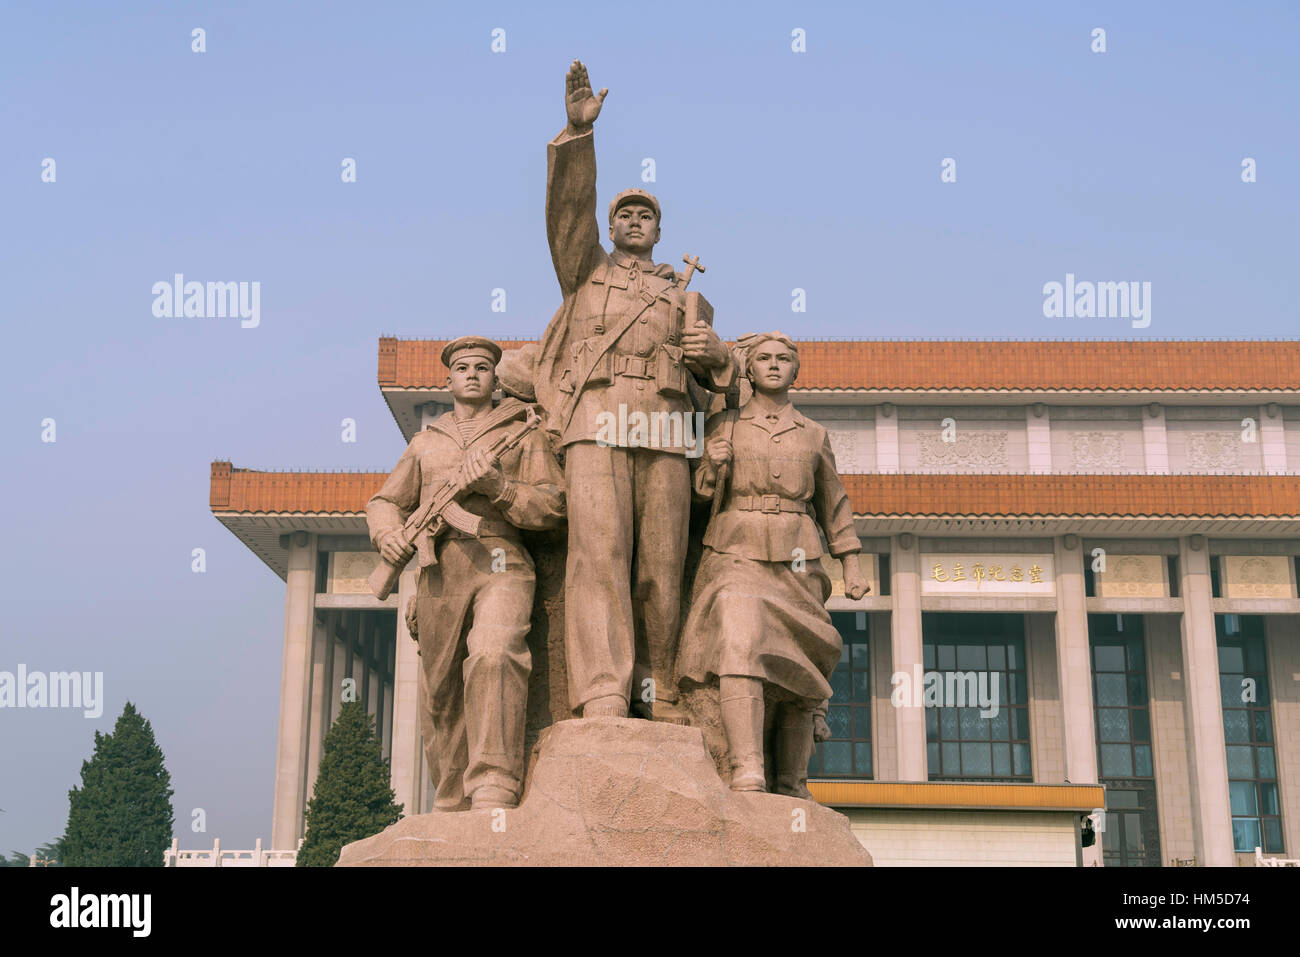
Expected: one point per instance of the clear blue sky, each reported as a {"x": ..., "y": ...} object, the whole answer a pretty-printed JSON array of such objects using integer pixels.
[{"x": 780, "y": 170}]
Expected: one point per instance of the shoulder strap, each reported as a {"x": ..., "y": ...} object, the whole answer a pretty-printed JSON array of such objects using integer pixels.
[{"x": 603, "y": 345}]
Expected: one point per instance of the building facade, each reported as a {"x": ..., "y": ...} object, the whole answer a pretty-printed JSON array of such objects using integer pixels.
[{"x": 1083, "y": 558}]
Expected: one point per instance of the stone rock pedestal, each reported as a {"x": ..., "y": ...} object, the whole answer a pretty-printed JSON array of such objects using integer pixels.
[{"x": 621, "y": 791}]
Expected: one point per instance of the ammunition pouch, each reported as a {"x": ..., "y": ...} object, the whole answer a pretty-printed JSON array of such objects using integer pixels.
[
  {"x": 602, "y": 373},
  {"x": 670, "y": 374}
]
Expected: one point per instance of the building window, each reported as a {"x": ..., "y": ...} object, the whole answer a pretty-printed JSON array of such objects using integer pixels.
[
  {"x": 1131, "y": 836},
  {"x": 1248, "y": 734},
  {"x": 1119, "y": 688},
  {"x": 848, "y": 752},
  {"x": 977, "y": 697}
]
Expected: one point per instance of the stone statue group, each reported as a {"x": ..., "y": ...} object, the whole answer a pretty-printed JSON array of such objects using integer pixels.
[{"x": 629, "y": 343}]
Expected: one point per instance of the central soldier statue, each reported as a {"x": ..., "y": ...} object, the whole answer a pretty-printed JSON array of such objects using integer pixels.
[{"x": 623, "y": 345}]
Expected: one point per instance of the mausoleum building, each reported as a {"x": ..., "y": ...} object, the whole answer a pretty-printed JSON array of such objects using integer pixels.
[{"x": 1083, "y": 558}]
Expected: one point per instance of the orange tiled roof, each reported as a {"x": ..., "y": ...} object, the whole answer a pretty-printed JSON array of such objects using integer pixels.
[
  {"x": 1219, "y": 496},
  {"x": 1049, "y": 365},
  {"x": 1269, "y": 496},
  {"x": 246, "y": 490}
]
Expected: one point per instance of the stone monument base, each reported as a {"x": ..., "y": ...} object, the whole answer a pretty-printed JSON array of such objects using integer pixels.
[{"x": 621, "y": 791}]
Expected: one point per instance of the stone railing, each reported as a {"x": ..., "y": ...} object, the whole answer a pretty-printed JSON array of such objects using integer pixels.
[
  {"x": 216, "y": 857},
  {"x": 1262, "y": 861}
]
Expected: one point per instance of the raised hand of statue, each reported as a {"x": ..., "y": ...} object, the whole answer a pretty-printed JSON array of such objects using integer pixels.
[{"x": 583, "y": 107}]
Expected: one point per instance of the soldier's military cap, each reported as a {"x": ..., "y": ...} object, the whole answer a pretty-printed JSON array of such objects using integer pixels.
[
  {"x": 476, "y": 344},
  {"x": 634, "y": 195}
]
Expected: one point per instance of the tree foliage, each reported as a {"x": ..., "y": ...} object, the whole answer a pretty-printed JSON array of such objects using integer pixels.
[
  {"x": 353, "y": 798},
  {"x": 121, "y": 816}
]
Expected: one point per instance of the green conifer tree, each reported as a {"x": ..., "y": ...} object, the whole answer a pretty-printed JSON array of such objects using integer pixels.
[
  {"x": 352, "y": 798},
  {"x": 121, "y": 816}
]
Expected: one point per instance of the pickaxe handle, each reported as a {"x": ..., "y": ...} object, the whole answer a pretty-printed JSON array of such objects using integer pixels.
[{"x": 692, "y": 263}]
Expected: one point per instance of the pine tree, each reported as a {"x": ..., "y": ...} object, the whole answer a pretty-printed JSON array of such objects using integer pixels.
[
  {"x": 121, "y": 816},
  {"x": 353, "y": 798}
]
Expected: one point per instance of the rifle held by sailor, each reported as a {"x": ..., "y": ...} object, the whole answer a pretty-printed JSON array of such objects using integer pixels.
[{"x": 443, "y": 509}]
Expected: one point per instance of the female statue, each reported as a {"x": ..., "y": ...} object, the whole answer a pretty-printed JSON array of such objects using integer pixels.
[{"x": 758, "y": 618}]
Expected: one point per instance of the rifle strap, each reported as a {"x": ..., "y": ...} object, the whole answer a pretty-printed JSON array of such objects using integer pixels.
[
  {"x": 596, "y": 353},
  {"x": 507, "y": 410}
]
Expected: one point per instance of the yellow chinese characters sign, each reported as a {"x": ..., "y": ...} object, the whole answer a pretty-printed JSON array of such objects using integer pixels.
[{"x": 948, "y": 573}]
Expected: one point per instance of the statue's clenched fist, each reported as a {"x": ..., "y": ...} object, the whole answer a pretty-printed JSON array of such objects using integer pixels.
[
  {"x": 821, "y": 730},
  {"x": 701, "y": 346},
  {"x": 583, "y": 107},
  {"x": 482, "y": 474},
  {"x": 855, "y": 583},
  {"x": 719, "y": 452},
  {"x": 394, "y": 549}
]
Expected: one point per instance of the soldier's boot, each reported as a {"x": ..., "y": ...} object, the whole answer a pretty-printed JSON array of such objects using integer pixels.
[
  {"x": 490, "y": 796},
  {"x": 742, "y": 722},
  {"x": 606, "y": 706},
  {"x": 794, "y": 742},
  {"x": 666, "y": 705}
]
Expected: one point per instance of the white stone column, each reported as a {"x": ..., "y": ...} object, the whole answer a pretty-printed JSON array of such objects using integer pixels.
[
  {"x": 1169, "y": 737},
  {"x": 1207, "y": 756},
  {"x": 295, "y": 677},
  {"x": 405, "y": 764},
  {"x": 906, "y": 653},
  {"x": 1155, "y": 439},
  {"x": 887, "y": 439},
  {"x": 319, "y": 700},
  {"x": 1038, "y": 435},
  {"x": 1272, "y": 439},
  {"x": 1074, "y": 663},
  {"x": 329, "y": 687},
  {"x": 1046, "y": 717}
]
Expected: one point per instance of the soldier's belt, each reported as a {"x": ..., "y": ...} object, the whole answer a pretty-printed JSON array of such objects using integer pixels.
[
  {"x": 634, "y": 367},
  {"x": 770, "y": 504}
]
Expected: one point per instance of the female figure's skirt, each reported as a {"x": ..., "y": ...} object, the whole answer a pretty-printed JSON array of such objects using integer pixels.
[{"x": 762, "y": 620}]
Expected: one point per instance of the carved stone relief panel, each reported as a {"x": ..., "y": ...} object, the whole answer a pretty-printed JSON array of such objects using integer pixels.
[
  {"x": 1214, "y": 451},
  {"x": 1097, "y": 451},
  {"x": 982, "y": 451}
]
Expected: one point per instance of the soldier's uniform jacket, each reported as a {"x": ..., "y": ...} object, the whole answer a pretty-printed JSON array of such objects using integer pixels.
[
  {"x": 780, "y": 467},
  {"x": 643, "y": 369},
  {"x": 533, "y": 496}
]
